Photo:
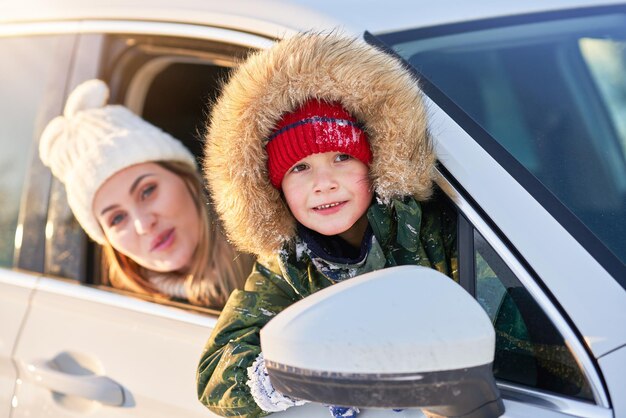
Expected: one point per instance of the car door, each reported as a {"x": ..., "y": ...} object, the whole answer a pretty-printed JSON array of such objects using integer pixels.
[
  {"x": 91, "y": 352},
  {"x": 34, "y": 66},
  {"x": 15, "y": 290},
  {"x": 85, "y": 348}
]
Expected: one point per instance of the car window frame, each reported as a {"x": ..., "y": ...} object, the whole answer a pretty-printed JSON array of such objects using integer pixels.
[
  {"x": 472, "y": 218},
  {"x": 90, "y": 34},
  {"x": 29, "y": 243}
]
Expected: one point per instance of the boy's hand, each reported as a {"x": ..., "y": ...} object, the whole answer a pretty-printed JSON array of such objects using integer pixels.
[
  {"x": 343, "y": 411},
  {"x": 263, "y": 392}
]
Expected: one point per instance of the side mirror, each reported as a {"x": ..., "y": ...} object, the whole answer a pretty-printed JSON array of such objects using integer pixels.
[{"x": 402, "y": 337}]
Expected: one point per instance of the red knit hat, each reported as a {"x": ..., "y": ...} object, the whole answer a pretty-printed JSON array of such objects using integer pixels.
[{"x": 315, "y": 127}]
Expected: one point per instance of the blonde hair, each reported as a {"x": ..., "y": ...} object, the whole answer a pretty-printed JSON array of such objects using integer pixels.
[{"x": 216, "y": 269}]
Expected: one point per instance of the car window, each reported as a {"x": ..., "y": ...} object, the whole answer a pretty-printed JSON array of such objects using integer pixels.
[
  {"x": 23, "y": 83},
  {"x": 551, "y": 90},
  {"x": 170, "y": 82},
  {"x": 606, "y": 60},
  {"x": 167, "y": 82},
  {"x": 189, "y": 87},
  {"x": 529, "y": 349}
]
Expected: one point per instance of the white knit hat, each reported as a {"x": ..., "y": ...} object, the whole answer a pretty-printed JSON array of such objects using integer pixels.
[{"x": 92, "y": 141}]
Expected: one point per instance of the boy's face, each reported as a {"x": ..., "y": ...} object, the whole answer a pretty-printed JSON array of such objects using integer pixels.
[{"x": 329, "y": 193}]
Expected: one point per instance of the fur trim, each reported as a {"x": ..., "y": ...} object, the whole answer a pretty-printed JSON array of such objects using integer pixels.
[{"x": 372, "y": 85}]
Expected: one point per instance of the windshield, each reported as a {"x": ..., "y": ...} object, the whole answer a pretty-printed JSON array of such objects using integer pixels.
[{"x": 552, "y": 93}]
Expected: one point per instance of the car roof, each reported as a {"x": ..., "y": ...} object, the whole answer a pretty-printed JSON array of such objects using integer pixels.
[{"x": 276, "y": 18}]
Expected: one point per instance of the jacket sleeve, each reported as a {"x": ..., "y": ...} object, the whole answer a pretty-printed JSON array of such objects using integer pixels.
[
  {"x": 420, "y": 233},
  {"x": 439, "y": 235},
  {"x": 234, "y": 343}
]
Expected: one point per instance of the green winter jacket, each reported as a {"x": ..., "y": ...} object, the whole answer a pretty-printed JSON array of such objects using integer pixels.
[{"x": 406, "y": 232}]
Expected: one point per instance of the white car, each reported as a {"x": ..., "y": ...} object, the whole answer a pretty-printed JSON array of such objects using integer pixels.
[{"x": 527, "y": 107}]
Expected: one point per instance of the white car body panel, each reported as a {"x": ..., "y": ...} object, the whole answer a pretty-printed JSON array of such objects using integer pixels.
[
  {"x": 613, "y": 367},
  {"x": 111, "y": 330},
  {"x": 15, "y": 291},
  {"x": 276, "y": 18}
]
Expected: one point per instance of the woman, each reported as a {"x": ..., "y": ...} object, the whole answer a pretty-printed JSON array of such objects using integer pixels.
[{"x": 136, "y": 191}]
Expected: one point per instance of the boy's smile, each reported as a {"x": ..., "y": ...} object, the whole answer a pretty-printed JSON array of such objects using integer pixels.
[
  {"x": 330, "y": 193},
  {"x": 329, "y": 208}
]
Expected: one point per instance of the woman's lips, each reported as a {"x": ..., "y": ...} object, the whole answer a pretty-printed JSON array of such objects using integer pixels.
[
  {"x": 329, "y": 208},
  {"x": 164, "y": 240}
]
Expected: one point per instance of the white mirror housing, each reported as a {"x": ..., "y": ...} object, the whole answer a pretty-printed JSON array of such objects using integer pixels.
[{"x": 402, "y": 337}]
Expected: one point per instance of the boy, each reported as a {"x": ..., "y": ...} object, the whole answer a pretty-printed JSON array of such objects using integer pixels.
[{"x": 317, "y": 157}]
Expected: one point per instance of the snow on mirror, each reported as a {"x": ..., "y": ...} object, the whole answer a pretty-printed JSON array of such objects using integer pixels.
[{"x": 402, "y": 337}]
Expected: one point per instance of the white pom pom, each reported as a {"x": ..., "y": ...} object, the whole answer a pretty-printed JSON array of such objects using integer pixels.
[
  {"x": 91, "y": 94},
  {"x": 54, "y": 130}
]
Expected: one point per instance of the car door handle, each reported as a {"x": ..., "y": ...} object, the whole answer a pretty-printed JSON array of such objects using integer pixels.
[{"x": 93, "y": 387}]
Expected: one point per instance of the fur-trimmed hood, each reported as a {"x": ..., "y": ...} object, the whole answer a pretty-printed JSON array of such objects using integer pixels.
[{"x": 370, "y": 84}]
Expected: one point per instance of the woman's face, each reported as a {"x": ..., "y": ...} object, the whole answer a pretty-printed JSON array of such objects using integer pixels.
[{"x": 148, "y": 214}]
